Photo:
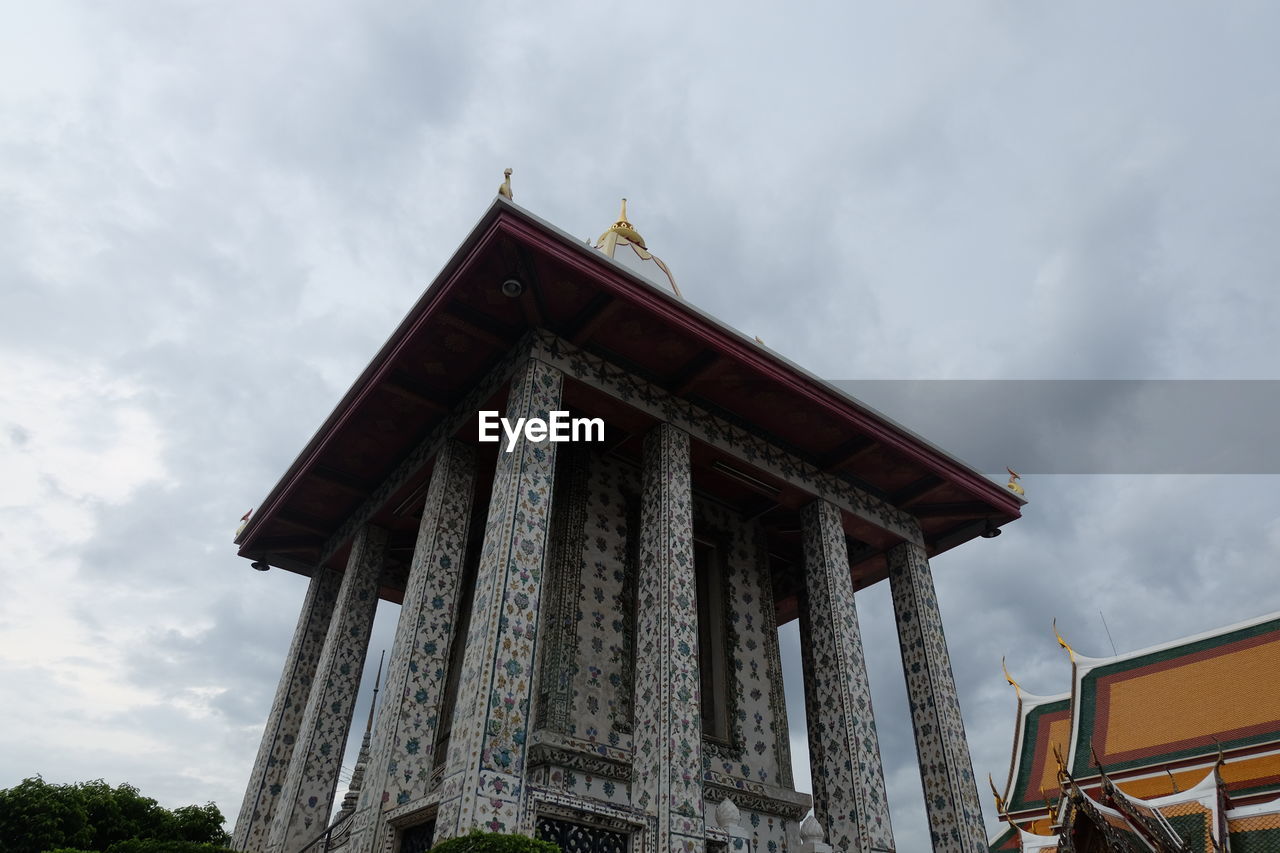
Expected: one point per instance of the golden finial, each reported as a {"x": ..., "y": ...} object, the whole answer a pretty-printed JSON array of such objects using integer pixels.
[
  {"x": 625, "y": 229},
  {"x": 1070, "y": 651},
  {"x": 1012, "y": 485},
  {"x": 505, "y": 189},
  {"x": 244, "y": 522},
  {"x": 1009, "y": 678}
]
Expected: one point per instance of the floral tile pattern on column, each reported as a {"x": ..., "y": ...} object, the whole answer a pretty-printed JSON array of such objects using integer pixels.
[
  {"x": 946, "y": 770},
  {"x": 484, "y": 779},
  {"x": 668, "y": 731},
  {"x": 848, "y": 778},
  {"x": 307, "y": 797},
  {"x": 400, "y": 764},
  {"x": 281, "y": 732}
]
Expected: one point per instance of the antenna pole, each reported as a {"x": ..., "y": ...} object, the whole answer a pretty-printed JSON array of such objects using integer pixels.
[{"x": 1108, "y": 630}]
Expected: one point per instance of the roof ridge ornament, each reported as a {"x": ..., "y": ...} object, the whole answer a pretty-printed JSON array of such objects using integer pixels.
[
  {"x": 1070, "y": 651},
  {"x": 1009, "y": 678},
  {"x": 504, "y": 189},
  {"x": 1012, "y": 485},
  {"x": 1000, "y": 808}
]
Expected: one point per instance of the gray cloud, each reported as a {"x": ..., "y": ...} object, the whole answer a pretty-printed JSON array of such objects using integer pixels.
[{"x": 213, "y": 216}]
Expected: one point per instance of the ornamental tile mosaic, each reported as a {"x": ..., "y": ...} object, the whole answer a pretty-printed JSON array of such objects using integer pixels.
[
  {"x": 718, "y": 432},
  {"x": 401, "y": 756},
  {"x": 604, "y": 611},
  {"x": 946, "y": 770},
  {"x": 668, "y": 736},
  {"x": 484, "y": 780},
  {"x": 758, "y": 748},
  {"x": 560, "y": 607},
  {"x": 268, "y": 776},
  {"x": 844, "y": 751},
  {"x": 307, "y": 795}
]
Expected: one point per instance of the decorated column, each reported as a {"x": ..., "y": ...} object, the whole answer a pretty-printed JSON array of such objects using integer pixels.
[
  {"x": 484, "y": 777},
  {"x": 946, "y": 770},
  {"x": 844, "y": 753},
  {"x": 668, "y": 730},
  {"x": 401, "y": 755},
  {"x": 267, "y": 778},
  {"x": 307, "y": 796}
]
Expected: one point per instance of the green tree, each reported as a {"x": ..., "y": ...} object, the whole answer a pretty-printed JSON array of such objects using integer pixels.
[{"x": 37, "y": 817}]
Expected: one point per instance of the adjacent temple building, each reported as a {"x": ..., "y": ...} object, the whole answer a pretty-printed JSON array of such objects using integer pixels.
[
  {"x": 587, "y": 646},
  {"x": 1173, "y": 749}
]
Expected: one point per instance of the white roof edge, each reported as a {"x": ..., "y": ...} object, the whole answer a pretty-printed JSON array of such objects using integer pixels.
[
  {"x": 1031, "y": 701},
  {"x": 1025, "y": 707},
  {"x": 1180, "y": 641}
]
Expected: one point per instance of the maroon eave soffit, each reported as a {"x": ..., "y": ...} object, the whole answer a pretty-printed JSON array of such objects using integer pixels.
[{"x": 462, "y": 325}]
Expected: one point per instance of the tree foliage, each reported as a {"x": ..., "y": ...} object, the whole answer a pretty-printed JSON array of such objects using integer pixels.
[
  {"x": 93, "y": 817},
  {"x": 494, "y": 842}
]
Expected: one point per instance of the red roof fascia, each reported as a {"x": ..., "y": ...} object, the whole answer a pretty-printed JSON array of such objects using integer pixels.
[{"x": 459, "y": 265}]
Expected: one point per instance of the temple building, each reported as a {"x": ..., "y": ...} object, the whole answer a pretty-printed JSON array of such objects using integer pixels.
[
  {"x": 1172, "y": 749},
  {"x": 587, "y": 645}
]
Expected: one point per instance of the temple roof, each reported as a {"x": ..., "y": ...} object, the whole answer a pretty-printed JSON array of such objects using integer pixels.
[
  {"x": 1179, "y": 700},
  {"x": 1043, "y": 731},
  {"x": 1186, "y": 733},
  {"x": 514, "y": 273}
]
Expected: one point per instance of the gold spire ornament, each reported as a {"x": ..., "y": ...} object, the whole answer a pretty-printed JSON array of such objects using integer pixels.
[
  {"x": 622, "y": 237},
  {"x": 244, "y": 522},
  {"x": 505, "y": 189},
  {"x": 1012, "y": 485},
  {"x": 625, "y": 228}
]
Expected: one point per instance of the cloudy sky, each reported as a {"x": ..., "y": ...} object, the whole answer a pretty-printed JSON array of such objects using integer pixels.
[{"x": 212, "y": 214}]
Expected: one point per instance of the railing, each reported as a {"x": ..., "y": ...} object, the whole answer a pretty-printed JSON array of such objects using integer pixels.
[{"x": 335, "y": 835}]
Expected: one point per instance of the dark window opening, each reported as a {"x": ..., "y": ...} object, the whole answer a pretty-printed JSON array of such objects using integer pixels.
[
  {"x": 708, "y": 565},
  {"x": 457, "y": 648}
]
